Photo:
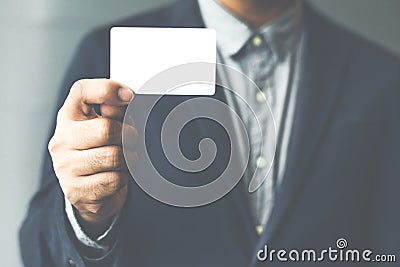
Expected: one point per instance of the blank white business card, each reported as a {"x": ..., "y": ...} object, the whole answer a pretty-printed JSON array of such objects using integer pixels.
[{"x": 138, "y": 54}]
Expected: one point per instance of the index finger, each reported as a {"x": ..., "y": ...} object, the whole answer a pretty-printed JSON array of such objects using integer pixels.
[{"x": 86, "y": 93}]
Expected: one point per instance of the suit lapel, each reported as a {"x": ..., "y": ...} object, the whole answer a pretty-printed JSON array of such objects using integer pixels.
[{"x": 322, "y": 66}]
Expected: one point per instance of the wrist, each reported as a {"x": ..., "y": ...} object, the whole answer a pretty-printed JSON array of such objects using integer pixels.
[{"x": 93, "y": 226}]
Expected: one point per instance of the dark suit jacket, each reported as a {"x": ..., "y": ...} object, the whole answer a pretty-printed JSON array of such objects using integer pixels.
[{"x": 342, "y": 177}]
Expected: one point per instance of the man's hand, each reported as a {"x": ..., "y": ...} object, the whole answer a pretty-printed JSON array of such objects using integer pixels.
[{"x": 87, "y": 151}]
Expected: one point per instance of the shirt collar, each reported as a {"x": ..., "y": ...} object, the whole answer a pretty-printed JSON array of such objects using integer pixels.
[{"x": 232, "y": 33}]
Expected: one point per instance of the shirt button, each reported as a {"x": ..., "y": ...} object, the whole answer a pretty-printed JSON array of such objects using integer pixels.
[
  {"x": 259, "y": 229},
  {"x": 261, "y": 162},
  {"x": 257, "y": 40},
  {"x": 70, "y": 263},
  {"x": 261, "y": 97}
]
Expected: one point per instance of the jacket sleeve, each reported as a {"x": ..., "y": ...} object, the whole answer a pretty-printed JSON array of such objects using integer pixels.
[{"x": 46, "y": 237}]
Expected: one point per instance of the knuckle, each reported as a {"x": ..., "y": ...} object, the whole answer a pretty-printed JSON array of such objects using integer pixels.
[
  {"x": 131, "y": 137},
  {"x": 58, "y": 168},
  {"x": 131, "y": 131},
  {"x": 105, "y": 89},
  {"x": 114, "y": 157},
  {"x": 82, "y": 134},
  {"x": 74, "y": 169},
  {"x": 99, "y": 191},
  {"x": 54, "y": 147},
  {"x": 77, "y": 86},
  {"x": 106, "y": 129},
  {"x": 135, "y": 132},
  {"x": 114, "y": 181},
  {"x": 69, "y": 194},
  {"x": 106, "y": 186},
  {"x": 86, "y": 164},
  {"x": 96, "y": 192},
  {"x": 51, "y": 145},
  {"x": 66, "y": 164},
  {"x": 92, "y": 190},
  {"x": 77, "y": 90},
  {"x": 60, "y": 115},
  {"x": 135, "y": 136},
  {"x": 62, "y": 168}
]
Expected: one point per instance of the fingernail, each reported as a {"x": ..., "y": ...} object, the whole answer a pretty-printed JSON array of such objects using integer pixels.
[{"x": 125, "y": 94}]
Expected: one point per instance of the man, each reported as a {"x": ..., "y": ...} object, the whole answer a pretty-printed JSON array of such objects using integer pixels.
[{"x": 338, "y": 170}]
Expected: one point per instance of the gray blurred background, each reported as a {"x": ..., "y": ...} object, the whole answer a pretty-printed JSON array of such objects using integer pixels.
[{"x": 37, "y": 41}]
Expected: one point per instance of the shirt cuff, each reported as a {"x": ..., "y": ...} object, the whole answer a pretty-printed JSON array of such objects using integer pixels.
[{"x": 81, "y": 235}]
